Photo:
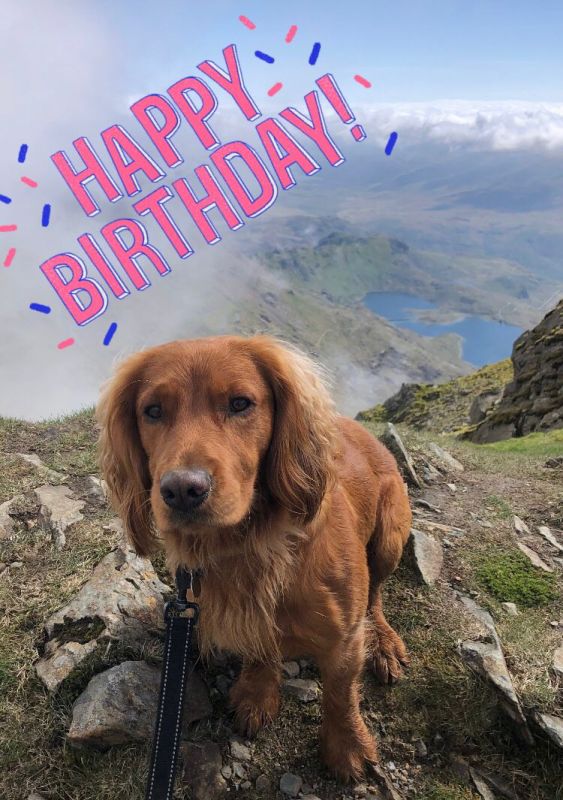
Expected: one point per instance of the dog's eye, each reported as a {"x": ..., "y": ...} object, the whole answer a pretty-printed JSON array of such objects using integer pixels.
[
  {"x": 153, "y": 412},
  {"x": 239, "y": 404}
]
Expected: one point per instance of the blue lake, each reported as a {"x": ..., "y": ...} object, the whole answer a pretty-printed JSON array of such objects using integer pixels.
[{"x": 484, "y": 340}]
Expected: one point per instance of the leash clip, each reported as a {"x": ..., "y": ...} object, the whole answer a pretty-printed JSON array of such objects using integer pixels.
[{"x": 181, "y": 604}]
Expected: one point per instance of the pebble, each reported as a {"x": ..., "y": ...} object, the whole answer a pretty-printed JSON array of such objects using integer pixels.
[
  {"x": 238, "y": 770},
  {"x": 290, "y": 669},
  {"x": 239, "y": 750},
  {"x": 262, "y": 783},
  {"x": 510, "y": 609},
  {"x": 226, "y": 772},
  {"x": 420, "y": 748},
  {"x": 290, "y": 784}
]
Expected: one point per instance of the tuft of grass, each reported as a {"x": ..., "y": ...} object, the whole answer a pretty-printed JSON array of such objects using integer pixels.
[
  {"x": 449, "y": 791},
  {"x": 510, "y": 577},
  {"x": 498, "y": 506}
]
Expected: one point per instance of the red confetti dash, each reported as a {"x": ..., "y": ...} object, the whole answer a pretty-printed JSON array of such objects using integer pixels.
[
  {"x": 10, "y": 256},
  {"x": 8, "y": 228},
  {"x": 65, "y": 343},
  {"x": 248, "y": 22},
  {"x": 29, "y": 182},
  {"x": 275, "y": 89},
  {"x": 290, "y": 35},
  {"x": 362, "y": 81}
]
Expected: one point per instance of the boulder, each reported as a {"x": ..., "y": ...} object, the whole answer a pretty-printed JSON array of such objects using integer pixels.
[
  {"x": 59, "y": 510},
  {"x": 393, "y": 442},
  {"x": 46, "y": 473},
  {"x": 118, "y": 706},
  {"x": 482, "y": 405},
  {"x": 551, "y": 725},
  {"x": 427, "y": 554},
  {"x": 445, "y": 459},
  {"x": 485, "y": 657},
  {"x": 123, "y": 600}
]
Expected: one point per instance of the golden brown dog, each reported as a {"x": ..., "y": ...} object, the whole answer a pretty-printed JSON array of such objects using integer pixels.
[{"x": 231, "y": 450}]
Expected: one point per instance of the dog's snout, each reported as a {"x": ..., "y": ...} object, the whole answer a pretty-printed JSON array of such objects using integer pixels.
[{"x": 185, "y": 489}]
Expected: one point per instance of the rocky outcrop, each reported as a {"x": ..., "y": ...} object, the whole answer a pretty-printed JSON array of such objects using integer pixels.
[
  {"x": 428, "y": 556},
  {"x": 393, "y": 442},
  {"x": 533, "y": 401}
]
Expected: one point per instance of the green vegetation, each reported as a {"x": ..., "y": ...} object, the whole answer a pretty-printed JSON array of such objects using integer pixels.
[
  {"x": 510, "y": 577},
  {"x": 542, "y": 445},
  {"x": 450, "y": 791},
  {"x": 498, "y": 506}
]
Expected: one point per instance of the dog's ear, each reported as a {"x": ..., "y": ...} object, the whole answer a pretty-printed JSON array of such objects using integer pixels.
[
  {"x": 299, "y": 464},
  {"x": 123, "y": 461}
]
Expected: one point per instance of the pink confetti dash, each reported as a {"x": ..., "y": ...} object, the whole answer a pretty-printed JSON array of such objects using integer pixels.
[
  {"x": 8, "y": 228},
  {"x": 275, "y": 89},
  {"x": 29, "y": 182},
  {"x": 9, "y": 257},
  {"x": 362, "y": 81},
  {"x": 65, "y": 343},
  {"x": 248, "y": 22},
  {"x": 290, "y": 35}
]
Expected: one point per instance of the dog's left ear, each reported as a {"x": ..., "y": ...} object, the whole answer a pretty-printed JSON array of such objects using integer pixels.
[{"x": 299, "y": 464}]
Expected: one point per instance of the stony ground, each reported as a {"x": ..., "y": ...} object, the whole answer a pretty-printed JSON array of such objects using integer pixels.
[{"x": 444, "y": 731}]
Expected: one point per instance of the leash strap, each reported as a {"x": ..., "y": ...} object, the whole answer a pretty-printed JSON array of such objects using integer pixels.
[{"x": 175, "y": 670}]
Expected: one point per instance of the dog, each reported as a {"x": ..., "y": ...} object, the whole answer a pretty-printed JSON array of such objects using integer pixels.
[{"x": 228, "y": 451}]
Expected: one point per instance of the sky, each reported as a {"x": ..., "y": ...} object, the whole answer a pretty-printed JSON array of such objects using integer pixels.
[{"x": 481, "y": 73}]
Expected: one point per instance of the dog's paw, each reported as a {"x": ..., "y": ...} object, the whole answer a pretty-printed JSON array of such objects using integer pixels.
[
  {"x": 389, "y": 657},
  {"x": 252, "y": 713},
  {"x": 347, "y": 753}
]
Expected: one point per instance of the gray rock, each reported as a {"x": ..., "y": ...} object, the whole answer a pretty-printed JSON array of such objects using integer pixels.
[
  {"x": 511, "y": 609},
  {"x": 227, "y": 772},
  {"x": 239, "y": 770},
  {"x": 290, "y": 669},
  {"x": 290, "y": 784},
  {"x": 59, "y": 510},
  {"x": 6, "y": 522},
  {"x": 118, "y": 706},
  {"x": 95, "y": 490},
  {"x": 446, "y": 459},
  {"x": 428, "y": 556},
  {"x": 481, "y": 406},
  {"x": 520, "y": 526},
  {"x": 239, "y": 750},
  {"x": 481, "y": 785},
  {"x": 557, "y": 665},
  {"x": 420, "y": 748},
  {"x": 304, "y": 690},
  {"x": 263, "y": 783},
  {"x": 46, "y": 473},
  {"x": 391, "y": 439},
  {"x": 552, "y": 726},
  {"x": 486, "y": 658},
  {"x": 202, "y": 770},
  {"x": 549, "y": 537},
  {"x": 123, "y": 600},
  {"x": 534, "y": 558}
]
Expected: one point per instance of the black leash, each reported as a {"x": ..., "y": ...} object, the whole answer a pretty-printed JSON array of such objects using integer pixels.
[{"x": 181, "y": 618}]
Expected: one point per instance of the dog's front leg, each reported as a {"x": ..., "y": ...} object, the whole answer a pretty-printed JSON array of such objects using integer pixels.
[
  {"x": 256, "y": 696},
  {"x": 346, "y": 741}
]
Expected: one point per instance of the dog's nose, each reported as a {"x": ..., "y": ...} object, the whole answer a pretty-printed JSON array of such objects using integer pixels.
[{"x": 185, "y": 489}]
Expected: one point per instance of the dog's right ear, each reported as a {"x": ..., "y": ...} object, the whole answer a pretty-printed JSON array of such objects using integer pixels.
[{"x": 122, "y": 460}]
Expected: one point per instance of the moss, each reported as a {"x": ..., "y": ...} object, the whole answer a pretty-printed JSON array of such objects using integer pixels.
[
  {"x": 449, "y": 791},
  {"x": 498, "y": 506},
  {"x": 511, "y": 578}
]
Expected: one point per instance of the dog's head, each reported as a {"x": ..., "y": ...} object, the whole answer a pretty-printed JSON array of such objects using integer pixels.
[{"x": 199, "y": 434}]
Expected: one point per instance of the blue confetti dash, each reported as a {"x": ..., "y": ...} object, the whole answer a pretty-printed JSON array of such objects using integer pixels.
[
  {"x": 40, "y": 307},
  {"x": 315, "y": 53},
  {"x": 5, "y": 199},
  {"x": 46, "y": 215},
  {"x": 109, "y": 333},
  {"x": 264, "y": 56},
  {"x": 22, "y": 153},
  {"x": 391, "y": 143}
]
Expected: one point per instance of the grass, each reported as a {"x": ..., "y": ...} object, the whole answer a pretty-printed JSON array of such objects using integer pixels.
[
  {"x": 510, "y": 577},
  {"x": 498, "y": 506},
  {"x": 537, "y": 445}
]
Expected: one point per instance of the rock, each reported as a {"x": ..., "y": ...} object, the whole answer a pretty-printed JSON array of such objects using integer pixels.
[
  {"x": 554, "y": 463},
  {"x": 239, "y": 771},
  {"x": 534, "y": 558},
  {"x": 419, "y": 501},
  {"x": 59, "y": 510},
  {"x": 510, "y": 609},
  {"x": 429, "y": 473},
  {"x": 123, "y": 600},
  {"x": 420, "y": 748},
  {"x": 239, "y": 750},
  {"x": 290, "y": 669},
  {"x": 552, "y": 726},
  {"x": 549, "y": 537},
  {"x": 391, "y": 439},
  {"x": 428, "y": 556},
  {"x": 202, "y": 770},
  {"x": 452, "y": 487},
  {"x": 95, "y": 490},
  {"x": 118, "y": 706},
  {"x": 197, "y": 704},
  {"x": 304, "y": 690},
  {"x": 486, "y": 658},
  {"x": 520, "y": 526},
  {"x": 46, "y": 473},
  {"x": 290, "y": 784},
  {"x": 557, "y": 665},
  {"x": 263, "y": 783},
  {"x": 227, "y": 772},
  {"x": 35, "y": 796},
  {"x": 481, "y": 785},
  {"x": 481, "y": 406},
  {"x": 53, "y": 669},
  {"x": 446, "y": 459}
]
